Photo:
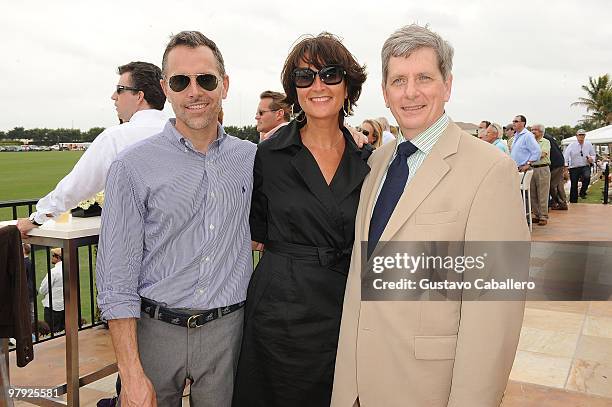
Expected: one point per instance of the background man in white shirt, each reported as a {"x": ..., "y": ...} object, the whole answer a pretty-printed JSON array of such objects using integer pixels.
[
  {"x": 272, "y": 113},
  {"x": 579, "y": 156},
  {"x": 54, "y": 311},
  {"x": 139, "y": 100}
]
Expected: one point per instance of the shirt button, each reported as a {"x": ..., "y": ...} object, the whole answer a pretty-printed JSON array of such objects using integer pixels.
[
  {"x": 212, "y": 194},
  {"x": 211, "y": 227},
  {"x": 201, "y": 291}
]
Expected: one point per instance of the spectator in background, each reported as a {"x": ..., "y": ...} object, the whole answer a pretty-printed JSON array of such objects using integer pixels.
[
  {"x": 579, "y": 156},
  {"x": 525, "y": 149},
  {"x": 54, "y": 313},
  {"x": 557, "y": 189},
  {"x": 220, "y": 117},
  {"x": 372, "y": 129},
  {"x": 395, "y": 131},
  {"x": 139, "y": 100},
  {"x": 493, "y": 135},
  {"x": 272, "y": 114},
  {"x": 509, "y": 132},
  {"x": 387, "y": 135},
  {"x": 30, "y": 276},
  {"x": 540, "y": 181},
  {"x": 482, "y": 128}
]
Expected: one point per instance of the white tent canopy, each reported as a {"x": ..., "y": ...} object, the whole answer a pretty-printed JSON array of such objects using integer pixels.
[{"x": 602, "y": 135}]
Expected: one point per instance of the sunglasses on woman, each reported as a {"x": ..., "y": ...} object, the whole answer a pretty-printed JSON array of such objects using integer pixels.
[
  {"x": 206, "y": 81},
  {"x": 330, "y": 75}
]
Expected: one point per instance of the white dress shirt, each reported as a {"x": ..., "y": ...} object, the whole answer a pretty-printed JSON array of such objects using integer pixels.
[
  {"x": 387, "y": 137},
  {"x": 576, "y": 154},
  {"x": 57, "y": 288},
  {"x": 88, "y": 176}
]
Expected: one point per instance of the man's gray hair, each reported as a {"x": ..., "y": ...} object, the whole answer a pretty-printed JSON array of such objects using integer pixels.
[
  {"x": 406, "y": 40},
  {"x": 385, "y": 123},
  {"x": 539, "y": 127},
  {"x": 498, "y": 129}
]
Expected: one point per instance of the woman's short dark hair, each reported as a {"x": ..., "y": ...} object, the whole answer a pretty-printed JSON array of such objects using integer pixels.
[{"x": 323, "y": 50}]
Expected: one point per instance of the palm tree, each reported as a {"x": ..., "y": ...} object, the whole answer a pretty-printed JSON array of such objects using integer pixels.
[{"x": 598, "y": 102}]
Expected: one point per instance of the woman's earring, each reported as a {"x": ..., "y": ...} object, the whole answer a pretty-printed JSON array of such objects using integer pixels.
[
  {"x": 297, "y": 117},
  {"x": 347, "y": 111}
]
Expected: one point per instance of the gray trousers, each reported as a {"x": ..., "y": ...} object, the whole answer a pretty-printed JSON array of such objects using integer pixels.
[
  {"x": 207, "y": 356},
  {"x": 539, "y": 190},
  {"x": 557, "y": 186}
]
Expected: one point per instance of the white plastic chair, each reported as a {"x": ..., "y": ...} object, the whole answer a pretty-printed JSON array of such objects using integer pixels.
[{"x": 525, "y": 185}]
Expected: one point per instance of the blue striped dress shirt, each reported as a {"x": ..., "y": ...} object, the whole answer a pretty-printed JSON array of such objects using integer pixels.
[
  {"x": 175, "y": 225},
  {"x": 525, "y": 148}
]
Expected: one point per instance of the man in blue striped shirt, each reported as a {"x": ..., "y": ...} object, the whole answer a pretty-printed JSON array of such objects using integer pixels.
[{"x": 174, "y": 259}]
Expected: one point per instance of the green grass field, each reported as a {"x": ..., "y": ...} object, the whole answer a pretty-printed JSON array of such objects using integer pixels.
[{"x": 31, "y": 175}]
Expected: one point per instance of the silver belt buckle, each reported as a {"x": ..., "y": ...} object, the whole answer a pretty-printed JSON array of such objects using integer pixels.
[{"x": 192, "y": 321}]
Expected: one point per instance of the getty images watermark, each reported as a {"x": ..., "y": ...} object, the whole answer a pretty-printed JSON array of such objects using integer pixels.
[
  {"x": 459, "y": 264},
  {"x": 489, "y": 271}
]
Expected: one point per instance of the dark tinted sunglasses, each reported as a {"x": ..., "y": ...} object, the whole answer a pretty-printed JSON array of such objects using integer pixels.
[
  {"x": 206, "y": 81},
  {"x": 365, "y": 133},
  {"x": 330, "y": 75},
  {"x": 121, "y": 88}
]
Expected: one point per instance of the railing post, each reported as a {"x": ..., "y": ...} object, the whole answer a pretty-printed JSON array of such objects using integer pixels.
[{"x": 606, "y": 175}]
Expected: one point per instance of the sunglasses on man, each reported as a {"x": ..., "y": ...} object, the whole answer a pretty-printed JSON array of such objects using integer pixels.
[
  {"x": 122, "y": 88},
  {"x": 329, "y": 75},
  {"x": 206, "y": 81}
]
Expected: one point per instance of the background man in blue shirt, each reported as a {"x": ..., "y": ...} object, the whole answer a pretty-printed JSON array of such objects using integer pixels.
[{"x": 525, "y": 149}]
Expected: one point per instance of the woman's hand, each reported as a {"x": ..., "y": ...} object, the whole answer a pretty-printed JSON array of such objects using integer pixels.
[
  {"x": 257, "y": 246},
  {"x": 360, "y": 138}
]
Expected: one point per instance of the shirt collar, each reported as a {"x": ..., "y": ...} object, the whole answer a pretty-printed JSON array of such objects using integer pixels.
[
  {"x": 292, "y": 137},
  {"x": 427, "y": 139},
  {"x": 524, "y": 131},
  {"x": 145, "y": 114},
  {"x": 271, "y": 132},
  {"x": 175, "y": 135}
]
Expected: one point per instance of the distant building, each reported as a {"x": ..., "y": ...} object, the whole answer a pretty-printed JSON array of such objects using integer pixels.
[{"x": 470, "y": 128}]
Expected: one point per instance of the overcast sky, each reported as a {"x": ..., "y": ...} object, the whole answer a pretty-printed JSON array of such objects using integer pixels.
[{"x": 59, "y": 58}]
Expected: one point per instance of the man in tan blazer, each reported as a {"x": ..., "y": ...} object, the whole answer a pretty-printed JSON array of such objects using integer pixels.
[{"x": 459, "y": 188}]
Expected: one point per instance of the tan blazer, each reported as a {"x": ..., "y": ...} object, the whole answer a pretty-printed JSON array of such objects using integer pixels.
[{"x": 429, "y": 353}]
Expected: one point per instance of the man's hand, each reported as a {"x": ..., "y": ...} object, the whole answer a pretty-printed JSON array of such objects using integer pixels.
[
  {"x": 137, "y": 391},
  {"x": 136, "y": 388},
  {"x": 25, "y": 225},
  {"x": 359, "y": 137},
  {"x": 257, "y": 246},
  {"x": 524, "y": 168}
]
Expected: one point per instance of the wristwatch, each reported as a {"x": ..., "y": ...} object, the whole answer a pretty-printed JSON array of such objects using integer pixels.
[{"x": 32, "y": 219}]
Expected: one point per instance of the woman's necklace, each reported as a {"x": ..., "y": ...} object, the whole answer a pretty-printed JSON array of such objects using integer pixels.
[{"x": 309, "y": 144}]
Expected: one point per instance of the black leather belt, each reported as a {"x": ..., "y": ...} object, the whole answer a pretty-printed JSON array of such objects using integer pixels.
[
  {"x": 539, "y": 165},
  {"x": 185, "y": 318},
  {"x": 325, "y": 256}
]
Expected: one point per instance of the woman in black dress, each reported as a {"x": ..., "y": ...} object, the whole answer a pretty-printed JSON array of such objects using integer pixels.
[{"x": 307, "y": 180}]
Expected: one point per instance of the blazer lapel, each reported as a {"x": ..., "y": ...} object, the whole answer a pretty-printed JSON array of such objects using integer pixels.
[{"x": 433, "y": 169}]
